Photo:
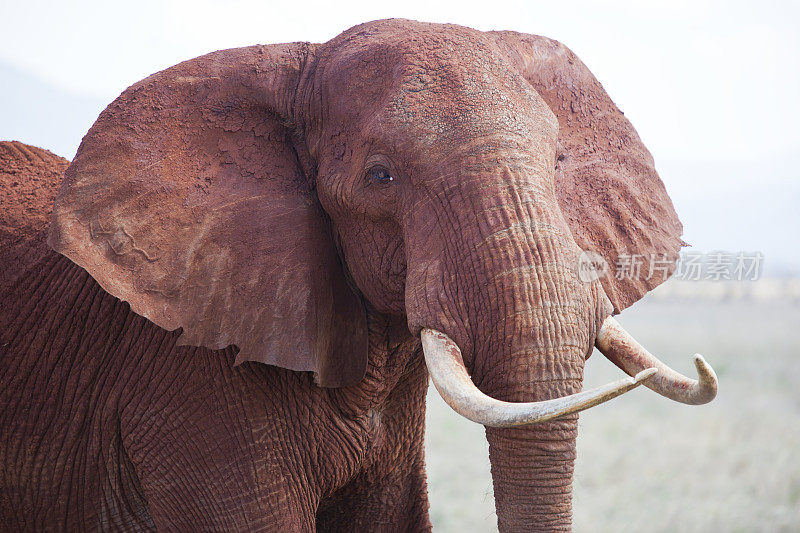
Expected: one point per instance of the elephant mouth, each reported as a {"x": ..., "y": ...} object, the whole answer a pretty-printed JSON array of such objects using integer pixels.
[{"x": 453, "y": 382}]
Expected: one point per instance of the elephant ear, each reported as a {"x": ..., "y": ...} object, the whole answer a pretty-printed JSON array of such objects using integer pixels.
[
  {"x": 608, "y": 189},
  {"x": 187, "y": 200}
]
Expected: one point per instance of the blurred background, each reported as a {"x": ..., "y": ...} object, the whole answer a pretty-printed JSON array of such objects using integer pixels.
[{"x": 711, "y": 87}]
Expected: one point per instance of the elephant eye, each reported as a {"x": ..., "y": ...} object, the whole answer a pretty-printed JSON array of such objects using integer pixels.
[{"x": 379, "y": 174}]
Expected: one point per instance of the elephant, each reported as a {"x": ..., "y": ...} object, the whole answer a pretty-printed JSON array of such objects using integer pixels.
[{"x": 226, "y": 314}]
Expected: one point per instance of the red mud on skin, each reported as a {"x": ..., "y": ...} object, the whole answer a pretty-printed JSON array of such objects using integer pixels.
[{"x": 29, "y": 180}]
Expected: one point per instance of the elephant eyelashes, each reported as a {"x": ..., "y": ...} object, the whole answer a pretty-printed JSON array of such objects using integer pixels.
[{"x": 379, "y": 175}]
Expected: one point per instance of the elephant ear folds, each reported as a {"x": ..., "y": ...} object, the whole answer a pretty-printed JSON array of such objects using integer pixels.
[
  {"x": 187, "y": 200},
  {"x": 611, "y": 196}
]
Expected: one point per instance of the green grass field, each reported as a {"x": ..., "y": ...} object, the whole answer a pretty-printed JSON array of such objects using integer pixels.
[{"x": 648, "y": 464}]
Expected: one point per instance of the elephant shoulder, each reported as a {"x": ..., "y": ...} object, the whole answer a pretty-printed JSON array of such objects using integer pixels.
[{"x": 29, "y": 181}]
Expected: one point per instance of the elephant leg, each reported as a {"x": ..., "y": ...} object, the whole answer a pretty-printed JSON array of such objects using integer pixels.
[
  {"x": 373, "y": 501},
  {"x": 390, "y": 492},
  {"x": 212, "y": 454},
  {"x": 198, "y": 498}
]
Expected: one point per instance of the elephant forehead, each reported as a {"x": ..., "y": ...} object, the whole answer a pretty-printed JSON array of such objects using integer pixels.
[
  {"x": 433, "y": 83},
  {"x": 452, "y": 110}
]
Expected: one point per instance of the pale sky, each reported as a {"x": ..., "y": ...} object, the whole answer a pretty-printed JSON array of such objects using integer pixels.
[{"x": 711, "y": 87}]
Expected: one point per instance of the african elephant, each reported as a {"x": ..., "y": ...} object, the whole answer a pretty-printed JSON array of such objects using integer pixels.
[{"x": 406, "y": 199}]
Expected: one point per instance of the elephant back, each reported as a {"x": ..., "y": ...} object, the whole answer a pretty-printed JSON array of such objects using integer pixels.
[{"x": 29, "y": 181}]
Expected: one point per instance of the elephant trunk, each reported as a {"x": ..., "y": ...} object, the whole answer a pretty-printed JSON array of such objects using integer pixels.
[
  {"x": 490, "y": 264},
  {"x": 532, "y": 466},
  {"x": 532, "y": 471}
]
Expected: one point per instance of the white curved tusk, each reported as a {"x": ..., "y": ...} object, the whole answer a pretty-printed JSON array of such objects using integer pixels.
[
  {"x": 450, "y": 377},
  {"x": 623, "y": 350}
]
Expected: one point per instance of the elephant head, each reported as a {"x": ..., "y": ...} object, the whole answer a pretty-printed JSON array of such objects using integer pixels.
[{"x": 269, "y": 196}]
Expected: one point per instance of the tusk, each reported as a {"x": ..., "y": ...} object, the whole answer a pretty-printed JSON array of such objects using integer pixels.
[
  {"x": 623, "y": 350},
  {"x": 450, "y": 377}
]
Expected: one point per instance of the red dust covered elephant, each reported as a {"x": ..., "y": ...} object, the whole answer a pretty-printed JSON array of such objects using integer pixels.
[{"x": 405, "y": 200}]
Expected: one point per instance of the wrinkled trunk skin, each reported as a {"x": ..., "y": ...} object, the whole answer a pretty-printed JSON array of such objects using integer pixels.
[
  {"x": 532, "y": 466},
  {"x": 505, "y": 291},
  {"x": 532, "y": 474}
]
